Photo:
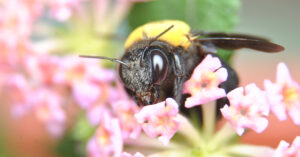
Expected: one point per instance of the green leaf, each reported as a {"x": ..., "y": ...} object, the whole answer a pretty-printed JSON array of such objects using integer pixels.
[
  {"x": 70, "y": 147},
  {"x": 218, "y": 15},
  {"x": 82, "y": 131},
  {"x": 73, "y": 144},
  {"x": 211, "y": 15}
]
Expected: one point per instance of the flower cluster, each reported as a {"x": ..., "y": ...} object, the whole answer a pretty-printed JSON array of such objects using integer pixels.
[
  {"x": 160, "y": 119},
  {"x": 249, "y": 108},
  {"x": 48, "y": 85}
]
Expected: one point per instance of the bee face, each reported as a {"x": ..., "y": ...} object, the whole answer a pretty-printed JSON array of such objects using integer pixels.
[{"x": 148, "y": 68}]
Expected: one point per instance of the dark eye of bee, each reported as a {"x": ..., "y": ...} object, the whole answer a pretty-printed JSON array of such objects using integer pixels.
[{"x": 159, "y": 66}]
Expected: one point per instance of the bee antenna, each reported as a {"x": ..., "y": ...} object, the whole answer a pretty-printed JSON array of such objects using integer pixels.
[
  {"x": 162, "y": 33},
  {"x": 106, "y": 58}
]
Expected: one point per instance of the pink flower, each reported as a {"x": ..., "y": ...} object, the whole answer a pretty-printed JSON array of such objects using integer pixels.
[
  {"x": 203, "y": 84},
  {"x": 95, "y": 113},
  {"x": 16, "y": 26},
  {"x": 62, "y": 9},
  {"x": 137, "y": 154},
  {"x": 16, "y": 20},
  {"x": 160, "y": 120},
  {"x": 284, "y": 95},
  {"x": 19, "y": 86},
  {"x": 107, "y": 141},
  {"x": 100, "y": 103},
  {"x": 90, "y": 85},
  {"x": 48, "y": 109},
  {"x": 74, "y": 69},
  {"x": 125, "y": 110},
  {"x": 86, "y": 93},
  {"x": 43, "y": 68},
  {"x": 284, "y": 149},
  {"x": 247, "y": 109}
]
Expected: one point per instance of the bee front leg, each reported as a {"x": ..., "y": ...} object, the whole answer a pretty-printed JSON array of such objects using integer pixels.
[
  {"x": 180, "y": 77},
  {"x": 177, "y": 91}
]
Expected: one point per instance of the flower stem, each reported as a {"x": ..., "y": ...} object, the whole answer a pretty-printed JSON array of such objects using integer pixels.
[
  {"x": 147, "y": 142},
  {"x": 249, "y": 150},
  {"x": 190, "y": 132},
  {"x": 223, "y": 136},
  {"x": 209, "y": 118},
  {"x": 171, "y": 153}
]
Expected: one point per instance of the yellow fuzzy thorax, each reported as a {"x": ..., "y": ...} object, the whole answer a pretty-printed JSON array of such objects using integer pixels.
[{"x": 177, "y": 36}]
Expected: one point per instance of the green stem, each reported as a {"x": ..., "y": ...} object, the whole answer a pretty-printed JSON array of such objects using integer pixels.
[
  {"x": 145, "y": 141},
  {"x": 248, "y": 150},
  {"x": 190, "y": 132},
  {"x": 223, "y": 136},
  {"x": 209, "y": 119},
  {"x": 172, "y": 153}
]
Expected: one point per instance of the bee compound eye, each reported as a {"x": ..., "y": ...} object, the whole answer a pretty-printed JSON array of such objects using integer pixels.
[{"x": 159, "y": 66}]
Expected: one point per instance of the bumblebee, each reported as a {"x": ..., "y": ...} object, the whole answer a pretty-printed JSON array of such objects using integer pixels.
[{"x": 160, "y": 56}]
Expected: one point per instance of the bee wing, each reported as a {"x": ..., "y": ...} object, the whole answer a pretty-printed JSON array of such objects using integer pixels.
[
  {"x": 237, "y": 41},
  {"x": 230, "y": 35}
]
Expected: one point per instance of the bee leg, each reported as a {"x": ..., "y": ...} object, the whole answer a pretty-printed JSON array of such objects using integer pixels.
[
  {"x": 177, "y": 91},
  {"x": 180, "y": 77}
]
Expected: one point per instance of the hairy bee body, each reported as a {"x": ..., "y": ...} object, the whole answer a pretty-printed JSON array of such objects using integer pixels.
[{"x": 176, "y": 50}]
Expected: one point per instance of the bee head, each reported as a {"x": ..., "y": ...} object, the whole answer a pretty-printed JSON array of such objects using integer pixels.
[{"x": 148, "y": 67}]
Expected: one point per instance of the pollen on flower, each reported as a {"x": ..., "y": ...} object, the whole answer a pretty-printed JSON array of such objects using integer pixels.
[
  {"x": 247, "y": 109},
  {"x": 290, "y": 95},
  {"x": 102, "y": 137},
  {"x": 160, "y": 120},
  {"x": 204, "y": 82}
]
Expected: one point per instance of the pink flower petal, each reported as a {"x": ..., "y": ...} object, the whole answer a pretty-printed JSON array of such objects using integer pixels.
[
  {"x": 248, "y": 109},
  {"x": 284, "y": 149},
  {"x": 283, "y": 74},
  {"x": 205, "y": 97},
  {"x": 107, "y": 140},
  {"x": 125, "y": 110},
  {"x": 204, "y": 82},
  {"x": 95, "y": 114},
  {"x": 160, "y": 120},
  {"x": 86, "y": 93},
  {"x": 275, "y": 99},
  {"x": 294, "y": 113},
  {"x": 137, "y": 154}
]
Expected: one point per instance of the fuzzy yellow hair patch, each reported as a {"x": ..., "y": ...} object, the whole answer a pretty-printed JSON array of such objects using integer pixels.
[{"x": 177, "y": 36}]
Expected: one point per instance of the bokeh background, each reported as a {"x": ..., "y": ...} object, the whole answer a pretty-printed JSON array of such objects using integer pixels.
[{"x": 277, "y": 20}]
